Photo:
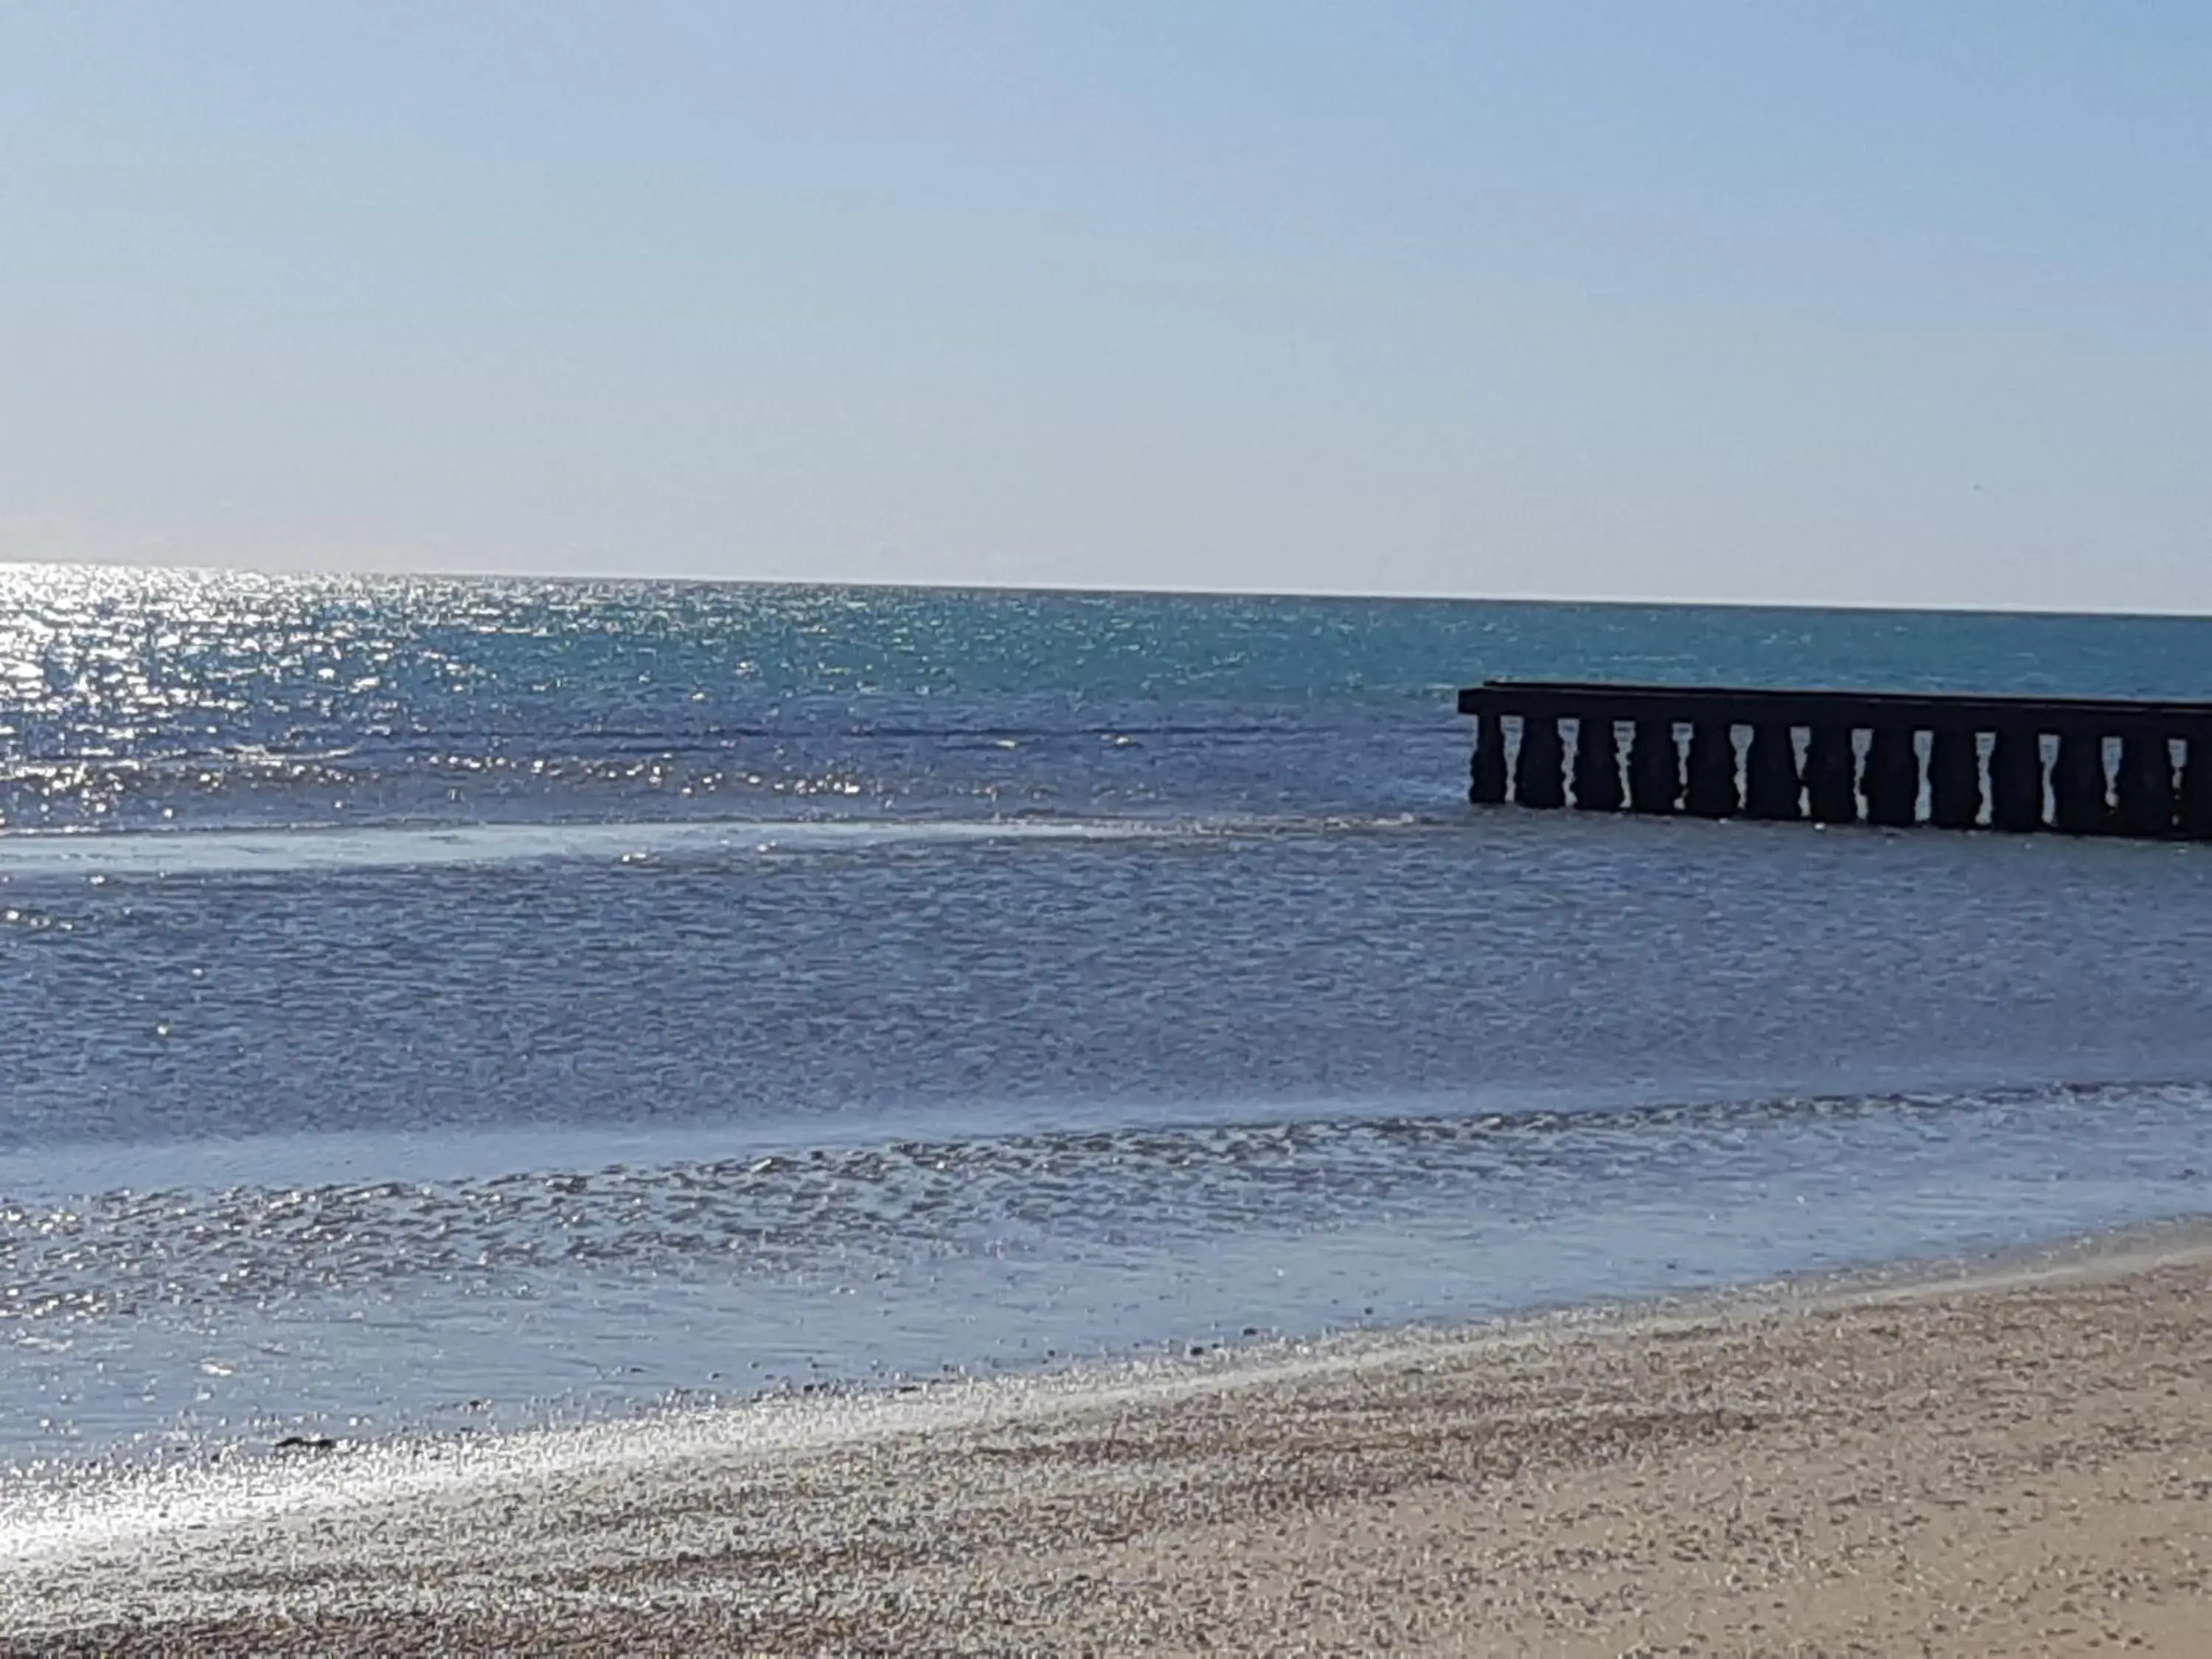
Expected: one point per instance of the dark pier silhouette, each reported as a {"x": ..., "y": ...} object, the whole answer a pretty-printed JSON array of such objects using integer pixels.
[{"x": 2081, "y": 765}]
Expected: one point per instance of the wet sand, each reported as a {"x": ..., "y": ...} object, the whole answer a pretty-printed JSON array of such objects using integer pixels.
[{"x": 2014, "y": 1459}]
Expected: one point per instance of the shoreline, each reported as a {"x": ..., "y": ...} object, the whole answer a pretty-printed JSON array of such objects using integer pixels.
[
  {"x": 792, "y": 1416},
  {"x": 1512, "y": 1486}
]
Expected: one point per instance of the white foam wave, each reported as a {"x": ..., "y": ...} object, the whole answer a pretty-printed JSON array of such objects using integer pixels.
[{"x": 156, "y": 853}]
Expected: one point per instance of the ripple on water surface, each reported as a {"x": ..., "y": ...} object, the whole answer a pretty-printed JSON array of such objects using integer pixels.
[
  {"x": 172, "y": 1319},
  {"x": 451, "y": 1003}
]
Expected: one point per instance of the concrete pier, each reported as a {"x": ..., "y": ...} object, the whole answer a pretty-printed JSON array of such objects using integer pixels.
[{"x": 2081, "y": 766}]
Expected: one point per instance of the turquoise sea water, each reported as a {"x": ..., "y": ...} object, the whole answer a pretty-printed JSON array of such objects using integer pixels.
[{"x": 458, "y": 1003}]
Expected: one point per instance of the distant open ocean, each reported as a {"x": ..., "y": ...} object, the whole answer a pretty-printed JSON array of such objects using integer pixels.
[{"x": 466, "y": 1003}]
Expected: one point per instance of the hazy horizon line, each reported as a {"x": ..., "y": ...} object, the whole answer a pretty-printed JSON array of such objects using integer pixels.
[{"x": 1099, "y": 589}]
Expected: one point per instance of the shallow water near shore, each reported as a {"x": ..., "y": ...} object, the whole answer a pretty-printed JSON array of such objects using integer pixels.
[
  {"x": 78, "y": 1512},
  {"x": 472, "y": 1005}
]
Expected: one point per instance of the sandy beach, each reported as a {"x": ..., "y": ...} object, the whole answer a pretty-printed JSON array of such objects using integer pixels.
[{"x": 2007, "y": 1459}]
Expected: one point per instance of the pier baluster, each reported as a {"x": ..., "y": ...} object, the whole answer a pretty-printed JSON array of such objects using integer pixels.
[
  {"x": 1539, "y": 776},
  {"x": 2143, "y": 792},
  {"x": 1829, "y": 765},
  {"x": 1654, "y": 767},
  {"x": 2196, "y": 813},
  {"x": 1598, "y": 766},
  {"x": 1486, "y": 771},
  {"x": 1771, "y": 779},
  {"x": 2081, "y": 805},
  {"x": 1712, "y": 789},
  {"x": 1955, "y": 779},
  {"x": 1893, "y": 777},
  {"x": 2016, "y": 780}
]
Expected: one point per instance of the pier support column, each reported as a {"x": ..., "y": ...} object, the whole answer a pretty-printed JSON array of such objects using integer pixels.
[
  {"x": 1892, "y": 778},
  {"x": 1486, "y": 771},
  {"x": 1539, "y": 777},
  {"x": 2196, "y": 806},
  {"x": 1770, "y": 779},
  {"x": 2016, "y": 780},
  {"x": 1655, "y": 769},
  {"x": 1829, "y": 765},
  {"x": 2079, "y": 802},
  {"x": 2143, "y": 792},
  {"x": 1891, "y": 781},
  {"x": 1954, "y": 780},
  {"x": 1711, "y": 792},
  {"x": 1598, "y": 766}
]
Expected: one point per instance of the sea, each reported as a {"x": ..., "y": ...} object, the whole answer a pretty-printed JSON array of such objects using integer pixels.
[{"x": 454, "y": 1006}]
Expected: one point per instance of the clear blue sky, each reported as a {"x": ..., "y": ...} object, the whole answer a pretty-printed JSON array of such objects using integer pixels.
[{"x": 1817, "y": 302}]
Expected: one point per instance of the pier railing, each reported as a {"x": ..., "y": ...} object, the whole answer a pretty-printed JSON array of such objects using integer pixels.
[{"x": 2082, "y": 766}]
